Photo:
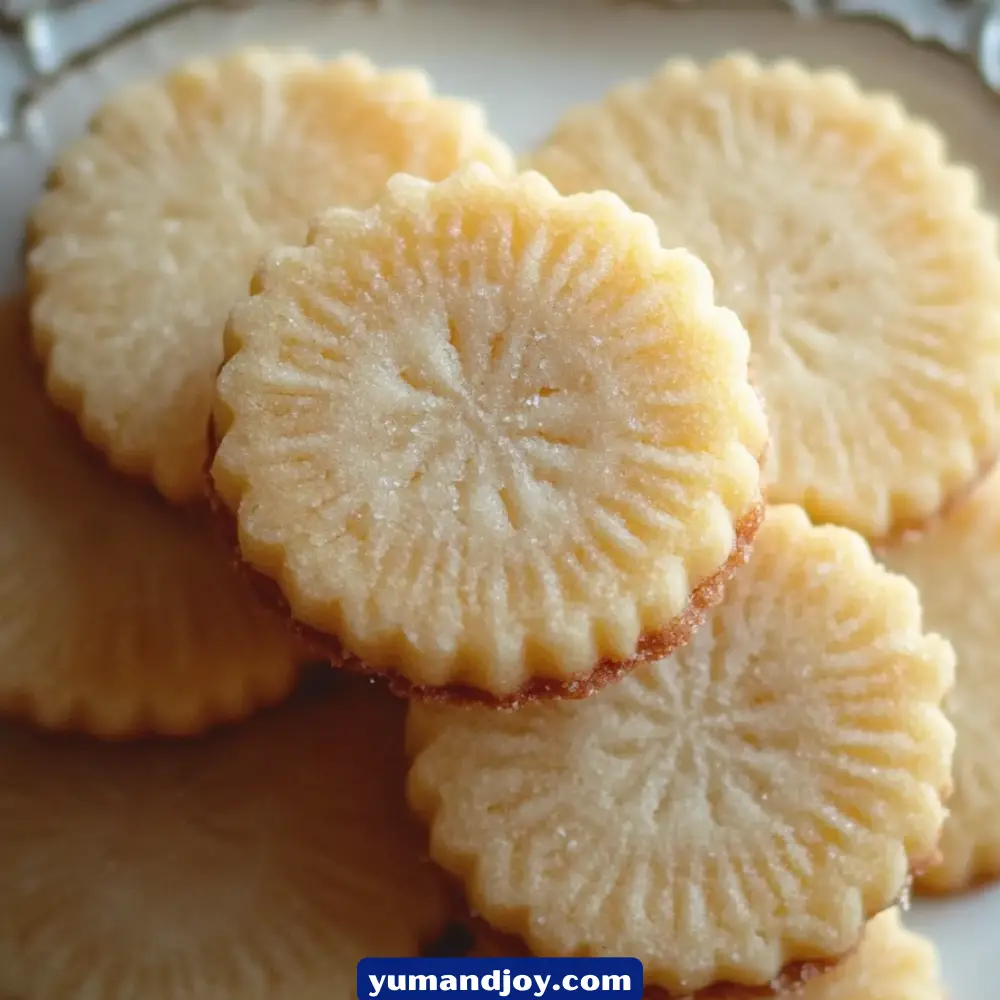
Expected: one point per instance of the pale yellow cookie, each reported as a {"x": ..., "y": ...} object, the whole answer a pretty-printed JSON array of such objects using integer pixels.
[
  {"x": 156, "y": 218},
  {"x": 858, "y": 258},
  {"x": 118, "y": 614},
  {"x": 728, "y": 814},
  {"x": 956, "y": 565},
  {"x": 259, "y": 863},
  {"x": 489, "y": 440}
]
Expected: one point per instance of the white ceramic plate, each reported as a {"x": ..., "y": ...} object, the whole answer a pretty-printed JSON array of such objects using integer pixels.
[{"x": 528, "y": 61}]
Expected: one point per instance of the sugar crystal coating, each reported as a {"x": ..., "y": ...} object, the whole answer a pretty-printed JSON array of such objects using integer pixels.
[
  {"x": 740, "y": 807},
  {"x": 859, "y": 259},
  {"x": 156, "y": 218},
  {"x": 483, "y": 434}
]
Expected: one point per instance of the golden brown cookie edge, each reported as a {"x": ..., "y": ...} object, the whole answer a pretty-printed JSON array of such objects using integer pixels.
[{"x": 651, "y": 646}]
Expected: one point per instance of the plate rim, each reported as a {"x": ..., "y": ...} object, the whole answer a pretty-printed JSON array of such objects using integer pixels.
[{"x": 973, "y": 30}]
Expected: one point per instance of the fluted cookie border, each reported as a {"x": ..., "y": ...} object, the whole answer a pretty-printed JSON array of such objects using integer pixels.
[{"x": 652, "y": 646}]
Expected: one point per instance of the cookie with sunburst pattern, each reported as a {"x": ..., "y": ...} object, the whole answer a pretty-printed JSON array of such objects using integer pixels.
[
  {"x": 859, "y": 258},
  {"x": 734, "y": 813},
  {"x": 956, "y": 565},
  {"x": 118, "y": 614},
  {"x": 155, "y": 220},
  {"x": 261, "y": 862},
  {"x": 494, "y": 442}
]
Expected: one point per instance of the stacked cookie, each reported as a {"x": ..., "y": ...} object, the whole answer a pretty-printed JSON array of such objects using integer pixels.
[{"x": 493, "y": 440}]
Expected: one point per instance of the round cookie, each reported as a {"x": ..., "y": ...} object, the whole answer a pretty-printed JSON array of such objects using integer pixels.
[
  {"x": 120, "y": 615},
  {"x": 493, "y": 442},
  {"x": 154, "y": 222},
  {"x": 261, "y": 862},
  {"x": 956, "y": 566},
  {"x": 731, "y": 815},
  {"x": 859, "y": 259}
]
